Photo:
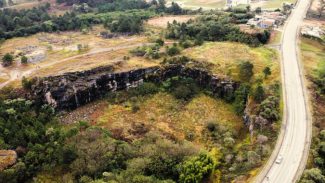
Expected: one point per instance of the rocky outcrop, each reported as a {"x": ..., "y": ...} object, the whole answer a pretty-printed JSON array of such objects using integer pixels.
[
  {"x": 71, "y": 90},
  {"x": 7, "y": 158}
]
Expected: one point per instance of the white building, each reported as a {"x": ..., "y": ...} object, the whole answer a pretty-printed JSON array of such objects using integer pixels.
[{"x": 233, "y": 3}]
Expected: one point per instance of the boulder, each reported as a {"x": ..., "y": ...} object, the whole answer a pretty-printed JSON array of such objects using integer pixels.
[{"x": 7, "y": 158}]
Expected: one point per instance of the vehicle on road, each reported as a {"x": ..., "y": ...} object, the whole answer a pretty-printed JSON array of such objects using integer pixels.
[{"x": 279, "y": 159}]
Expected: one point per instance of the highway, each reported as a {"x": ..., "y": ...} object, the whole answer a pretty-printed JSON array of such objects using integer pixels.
[{"x": 295, "y": 135}]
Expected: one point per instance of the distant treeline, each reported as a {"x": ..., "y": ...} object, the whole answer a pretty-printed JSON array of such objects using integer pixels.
[{"x": 14, "y": 23}]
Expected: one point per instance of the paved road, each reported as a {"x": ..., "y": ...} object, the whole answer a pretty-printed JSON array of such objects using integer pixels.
[{"x": 294, "y": 138}]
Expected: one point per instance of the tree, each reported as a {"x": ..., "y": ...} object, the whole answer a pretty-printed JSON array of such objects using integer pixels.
[
  {"x": 24, "y": 60},
  {"x": 267, "y": 71},
  {"x": 7, "y": 60},
  {"x": 259, "y": 93},
  {"x": 313, "y": 175},
  {"x": 160, "y": 42},
  {"x": 196, "y": 169},
  {"x": 269, "y": 108},
  {"x": 241, "y": 95},
  {"x": 174, "y": 50},
  {"x": 246, "y": 71}
]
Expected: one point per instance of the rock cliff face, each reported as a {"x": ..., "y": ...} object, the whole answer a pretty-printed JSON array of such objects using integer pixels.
[{"x": 71, "y": 90}]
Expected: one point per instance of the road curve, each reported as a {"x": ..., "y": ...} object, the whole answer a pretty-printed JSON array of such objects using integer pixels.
[{"x": 294, "y": 139}]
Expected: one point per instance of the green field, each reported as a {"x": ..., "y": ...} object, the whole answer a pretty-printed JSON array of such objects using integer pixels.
[{"x": 205, "y": 4}]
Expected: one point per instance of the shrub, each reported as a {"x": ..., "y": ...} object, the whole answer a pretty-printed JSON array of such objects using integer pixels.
[
  {"x": 313, "y": 175},
  {"x": 269, "y": 108},
  {"x": 27, "y": 84},
  {"x": 172, "y": 51},
  {"x": 246, "y": 71},
  {"x": 196, "y": 169},
  {"x": 7, "y": 60},
  {"x": 24, "y": 60},
  {"x": 146, "y": 88},
  {"x": 160, "y": 42},
  {"x": 241, "y": 95},
  {"x": 267, "y": 71},
  {"x": 259, "y": 93}
]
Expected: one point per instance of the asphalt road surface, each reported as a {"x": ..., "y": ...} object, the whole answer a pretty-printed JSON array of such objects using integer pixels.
[{"x": 293, "y": 144}]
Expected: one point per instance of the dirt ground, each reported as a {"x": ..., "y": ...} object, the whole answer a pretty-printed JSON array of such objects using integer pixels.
[
  {"x": 163, "y": 21},
  {"x": 55, "y": 53},
  {"x": 56, "y": 9},
  {"x": 195, "y": 4}
]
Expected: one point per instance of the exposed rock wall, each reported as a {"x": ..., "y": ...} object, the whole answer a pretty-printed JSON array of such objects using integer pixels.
[{"x": 71, "y": 90}]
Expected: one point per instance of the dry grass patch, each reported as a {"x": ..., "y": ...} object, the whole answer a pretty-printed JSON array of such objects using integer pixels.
[
  {"x": 226, "y": 56},
  {"x": 313, "y": 54},
  {"x": 163, "y": 21},
  {"x": 195, "y": 4},
  {"x": 163, "y": 113},
  {"x": 271, "y": 4}
]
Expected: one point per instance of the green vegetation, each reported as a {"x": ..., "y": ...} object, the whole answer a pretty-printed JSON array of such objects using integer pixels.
[
  {"x": 246, "y": 71},
  {"x": 124, "y": 16},
  {"x": 24, "y": 60},
  {"x": 313, "y": 58},
  {"x": 7, "y": 59},
  {"x": 214, "y": 27},
  {"x": 316, "y": 174}
]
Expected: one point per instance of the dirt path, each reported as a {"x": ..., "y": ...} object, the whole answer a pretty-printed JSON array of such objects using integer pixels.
[{"x": 18, "y": 74}]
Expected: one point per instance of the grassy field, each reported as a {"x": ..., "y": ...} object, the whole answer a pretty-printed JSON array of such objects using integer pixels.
[
  {"x": 226, "y": 57},
  {"x": 275, "y": 37},
  {"x": 271, "y": 4},
  {"x": 313, "y": 55},
  {"x": 167, "y": 115},
  {"x": 205, "y": 4}
]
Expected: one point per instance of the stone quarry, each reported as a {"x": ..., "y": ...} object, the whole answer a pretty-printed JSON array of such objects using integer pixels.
[{"x": 71, "y": 90}]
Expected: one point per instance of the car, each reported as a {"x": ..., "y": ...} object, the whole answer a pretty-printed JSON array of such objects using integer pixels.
[{"x": 279, "y": 159}]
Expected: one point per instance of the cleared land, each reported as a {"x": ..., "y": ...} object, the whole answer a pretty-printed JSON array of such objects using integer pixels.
[
  {"x": 226, "y": 56},
  {"x": 271, "y": 4},
  {"x": 205, "y": 4},
  {"x": 57, "y": 53},
  {"x": 162, "y": 22},
  {"x": 213, "y": 4}
]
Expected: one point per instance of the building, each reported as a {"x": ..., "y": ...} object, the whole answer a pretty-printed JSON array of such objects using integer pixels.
[
  {"x": 267, "y": 20},
  {"x": 233, "y": 3}
]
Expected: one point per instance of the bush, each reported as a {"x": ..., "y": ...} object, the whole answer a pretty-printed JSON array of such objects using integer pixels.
[
  {"x": 241, "y": 95},
  {"x": 172, "y": 51},
  {"x": 27, "y": 84},
  {"x": 259, "y": 93},
  {"x": 146, "y": 88},
  {"x": 313, "y": 175},
  {"x": 160, "y": 42},
  {"x": 7, "y": 60},
  {"x": 267, "y": 71},
  {"x": 246, "y": 71},
  {"x": 24, "y": 60},
  {"x": 269, "y": 108},
  {"x": 196, "y": 169}
]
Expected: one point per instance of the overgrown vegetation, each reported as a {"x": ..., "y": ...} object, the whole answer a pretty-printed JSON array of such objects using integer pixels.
[
  {"x": 124, "y": 16},
  {"x": 214, "y": 27},
  {"x": 313, "y": 59}
]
